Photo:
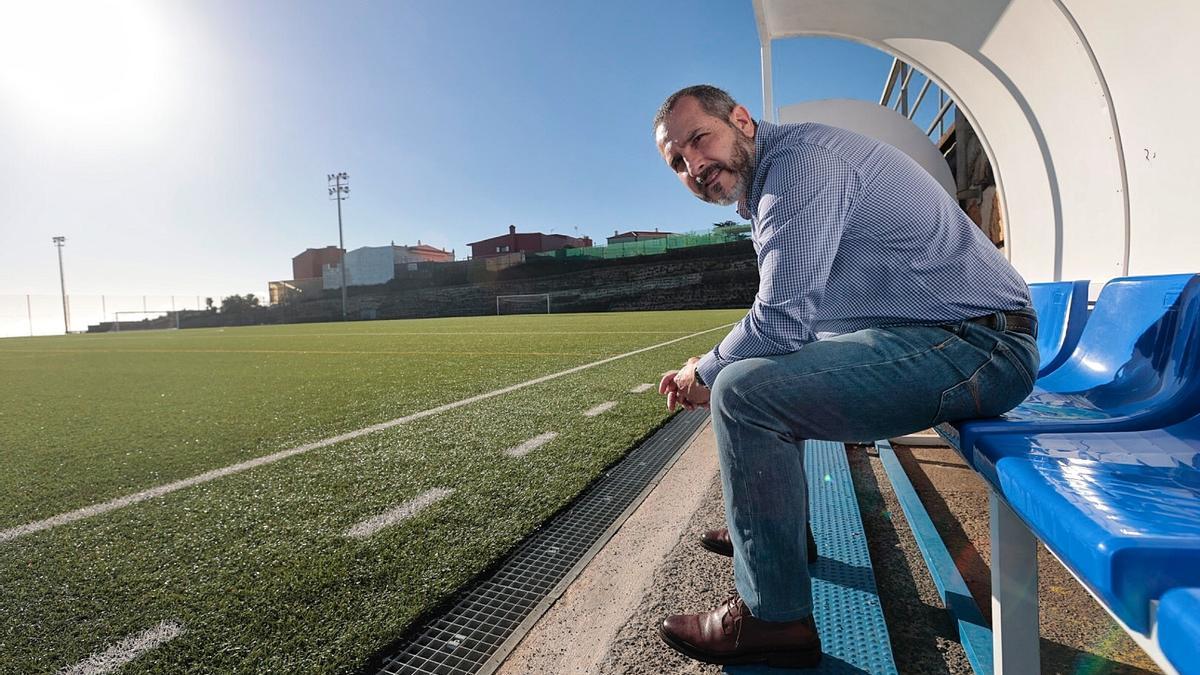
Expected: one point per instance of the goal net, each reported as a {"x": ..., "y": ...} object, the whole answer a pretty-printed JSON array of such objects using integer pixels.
[
  {"x": 536, "y": 303},
  {"x": 145, "y": 320}
]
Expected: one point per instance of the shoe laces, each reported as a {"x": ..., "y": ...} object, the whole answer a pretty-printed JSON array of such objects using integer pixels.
[{"x": 731, "y": 620}]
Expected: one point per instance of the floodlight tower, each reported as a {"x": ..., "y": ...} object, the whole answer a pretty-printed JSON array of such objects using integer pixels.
[
  {"x": 62, "y": 284},
  {"x": 339, "y": 188}
]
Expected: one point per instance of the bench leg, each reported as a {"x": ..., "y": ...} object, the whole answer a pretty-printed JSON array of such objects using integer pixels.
[{"x": 1015, "y": 634}]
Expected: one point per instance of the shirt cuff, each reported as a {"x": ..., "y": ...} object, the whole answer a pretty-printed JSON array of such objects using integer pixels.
[{"x": 708, "y": 367}]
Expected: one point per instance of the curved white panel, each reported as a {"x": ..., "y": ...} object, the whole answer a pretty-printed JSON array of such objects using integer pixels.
[
  {"x": 1022, "y": 71},
  {"x": 878, "y": 122},
  {"x": 1146, "y": 53}
]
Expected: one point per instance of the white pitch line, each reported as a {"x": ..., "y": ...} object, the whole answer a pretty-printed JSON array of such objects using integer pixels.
[
  {"x": 600, "y": 409},
  {"x": 133, "y": 646},
  {"x": 531, "y": 444},
  {"x": 396, "y": 514},
  {"x": 644, "y": 387},
  {"x": 120, "y": 502}
]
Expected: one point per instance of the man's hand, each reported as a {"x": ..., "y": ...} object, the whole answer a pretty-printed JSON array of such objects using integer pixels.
[
  {"x": 693, "y": 393},
  {"x": 681, "y": 387}
]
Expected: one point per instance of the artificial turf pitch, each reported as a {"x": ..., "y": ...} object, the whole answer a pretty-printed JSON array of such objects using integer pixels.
[{"x": 256, "y": 566}]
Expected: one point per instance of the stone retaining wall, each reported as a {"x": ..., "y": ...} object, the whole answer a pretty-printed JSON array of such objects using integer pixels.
[{"x": 708, "y": 277}]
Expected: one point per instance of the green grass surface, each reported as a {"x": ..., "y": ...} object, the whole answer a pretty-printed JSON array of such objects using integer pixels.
[{"x": 256, "y": 565}]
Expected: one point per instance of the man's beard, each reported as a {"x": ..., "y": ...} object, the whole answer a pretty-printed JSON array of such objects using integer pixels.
[{"x": 741, "y": 165}]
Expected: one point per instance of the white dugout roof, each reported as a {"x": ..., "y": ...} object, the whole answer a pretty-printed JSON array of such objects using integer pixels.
[{"x": 1087, "y": 110}]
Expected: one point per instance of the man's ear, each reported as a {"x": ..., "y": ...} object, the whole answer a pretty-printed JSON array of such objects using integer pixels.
[{"x": 741, "y": 120}]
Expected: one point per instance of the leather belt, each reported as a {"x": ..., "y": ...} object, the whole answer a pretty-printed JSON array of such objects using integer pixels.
[{"x": 1017, "y": 322}]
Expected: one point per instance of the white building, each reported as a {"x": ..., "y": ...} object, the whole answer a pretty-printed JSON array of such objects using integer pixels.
[{"x": 371, "y": 265}]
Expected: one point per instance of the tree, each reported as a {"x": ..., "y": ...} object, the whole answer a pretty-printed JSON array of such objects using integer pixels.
[
  {"x": 239, "y": 304},
  {"x": 732, "y": 227},
  {"x": 208, "y": 305}
]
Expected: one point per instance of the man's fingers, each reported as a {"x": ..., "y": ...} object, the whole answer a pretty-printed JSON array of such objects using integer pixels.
[
  {"x": 668, "y": 382},
  {"x": 671, "y": 397}
]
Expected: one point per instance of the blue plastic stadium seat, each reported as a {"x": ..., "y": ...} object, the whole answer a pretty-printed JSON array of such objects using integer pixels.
[
  {"x": 1179, "y": 629},
  {"x": 1061, "y": 307},
  {"x": 1122, "y": 510},
  {"x": 1136, "y": 366}
]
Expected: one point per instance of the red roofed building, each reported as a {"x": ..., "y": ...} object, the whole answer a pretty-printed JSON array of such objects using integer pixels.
[
  {"x": 527, "y": 242},
  {"x": 421, "y": 253}
]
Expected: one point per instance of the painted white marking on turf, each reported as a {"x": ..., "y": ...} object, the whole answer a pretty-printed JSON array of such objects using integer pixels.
[
  {"x": 314, "y": 352},
  {"x": 126, "y": 650},
  {"x": 102, "y": 336},
  {"x": 645, "y": 386},
  {"x": 396, "y": 514},
  {"x": 114, "y": 504},
  {"x": 531, "y": 444},
  {"x": 600, "y": 409}
]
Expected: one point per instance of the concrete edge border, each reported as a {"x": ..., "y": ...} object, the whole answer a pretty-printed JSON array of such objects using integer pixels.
[{"x": 522, "y": 629}]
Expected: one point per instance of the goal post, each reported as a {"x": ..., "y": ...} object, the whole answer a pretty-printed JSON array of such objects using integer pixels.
[
  {"x": 152, "y": 319},
  {"x": 529, "y": 303}
]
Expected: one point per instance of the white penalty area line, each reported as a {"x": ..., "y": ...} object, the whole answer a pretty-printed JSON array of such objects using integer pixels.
[
  {"x": 396, "y": 514},
  {"x": 132, "y": 336},
  {"x": 114, "y": 504},
  {"x": 531, "y": 444},
  {"x": 600, "y": 409},
  {"x": 313, "y": 352},
  {"x": 128, "y": 649}
]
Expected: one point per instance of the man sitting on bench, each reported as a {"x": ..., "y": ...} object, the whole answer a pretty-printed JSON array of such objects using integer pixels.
[{"x": 881, "y": 310}]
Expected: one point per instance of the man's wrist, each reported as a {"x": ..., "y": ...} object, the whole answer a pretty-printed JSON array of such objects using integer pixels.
[{"x": 709, "y": 365}]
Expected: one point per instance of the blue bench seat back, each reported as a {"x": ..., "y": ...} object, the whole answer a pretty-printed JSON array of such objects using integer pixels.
[
  {"x": 1137, "y": 366},
  {"x": 1179, "y": 629},
  {"x": 1122, "y": 510},
  {"x": 1061, "y": 308},
  {"x": 1126, "y": 339}
]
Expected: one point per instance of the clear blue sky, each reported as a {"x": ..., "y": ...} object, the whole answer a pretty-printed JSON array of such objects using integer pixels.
[{"x": 183, "y": 147}]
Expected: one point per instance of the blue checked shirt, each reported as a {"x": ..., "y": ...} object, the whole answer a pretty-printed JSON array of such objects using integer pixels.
[{"x": 852, "y": 233}]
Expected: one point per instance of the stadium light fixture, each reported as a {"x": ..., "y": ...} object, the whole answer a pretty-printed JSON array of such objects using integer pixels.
[
  {"x": 59, "y": 242},
  {"x": 339, "y": 189}
]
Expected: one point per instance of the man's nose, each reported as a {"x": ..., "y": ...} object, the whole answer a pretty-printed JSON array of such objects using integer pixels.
[{"x": 695, "y": 167}]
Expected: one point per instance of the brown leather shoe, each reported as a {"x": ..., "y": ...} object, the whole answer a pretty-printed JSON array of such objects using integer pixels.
[
  {"x": 718, "y": 541},
  {"x": 729, "y": 635}
]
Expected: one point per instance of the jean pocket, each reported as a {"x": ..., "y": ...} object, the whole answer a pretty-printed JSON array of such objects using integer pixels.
[
  {"x": 1015, "y": 362},
  {"x": 971, "y": 398},
  {"x": 996, "y": 387},
  {"x": 962, "y": 401}
]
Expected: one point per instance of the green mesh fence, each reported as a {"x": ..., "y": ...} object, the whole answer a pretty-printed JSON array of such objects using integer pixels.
[{"x": 646, "y": 246}]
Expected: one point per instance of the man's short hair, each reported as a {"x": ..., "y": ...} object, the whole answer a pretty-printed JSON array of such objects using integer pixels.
[{"x": 713, "y": 101}]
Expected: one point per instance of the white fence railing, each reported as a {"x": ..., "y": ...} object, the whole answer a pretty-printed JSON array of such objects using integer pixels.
[
  {"x": 899, "y": 82},
  {"x": 33, "y": 314}
]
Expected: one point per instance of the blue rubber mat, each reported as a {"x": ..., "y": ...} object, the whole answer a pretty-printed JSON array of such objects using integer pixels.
[{"x": 849, "y": 617}]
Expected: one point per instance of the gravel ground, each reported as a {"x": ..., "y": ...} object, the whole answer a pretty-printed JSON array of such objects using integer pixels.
[
  {"x": 1077, "y": 636},
  {"x": 924, "y": 639},
  {"x": 689, "y": 579}
]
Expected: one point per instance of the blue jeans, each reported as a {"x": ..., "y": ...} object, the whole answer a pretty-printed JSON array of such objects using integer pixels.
[{"x": 859, "y": 387}]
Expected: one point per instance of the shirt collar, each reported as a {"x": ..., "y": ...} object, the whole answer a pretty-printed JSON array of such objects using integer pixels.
[{"x": 764, "y": 134}]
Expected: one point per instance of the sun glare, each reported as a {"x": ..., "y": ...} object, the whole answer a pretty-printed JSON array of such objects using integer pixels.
[{"x": 81, "y": 65}]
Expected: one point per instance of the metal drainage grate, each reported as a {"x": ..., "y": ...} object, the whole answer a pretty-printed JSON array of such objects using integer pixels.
[{"x": 485, "y": 624}]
